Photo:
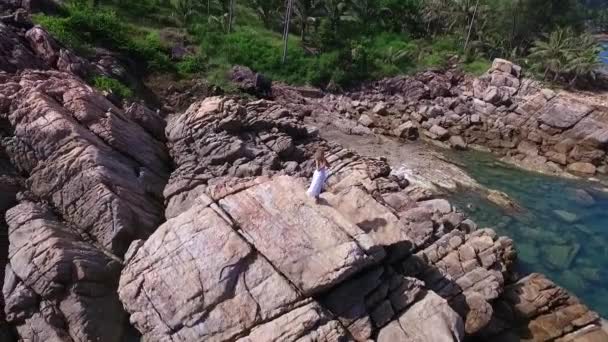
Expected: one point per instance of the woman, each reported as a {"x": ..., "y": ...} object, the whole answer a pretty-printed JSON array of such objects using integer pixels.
[{"x": 320, "y": 175}]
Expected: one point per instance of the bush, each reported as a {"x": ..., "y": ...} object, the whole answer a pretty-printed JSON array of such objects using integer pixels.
[
  {"x": 112, "y": 85},
  {"x": 60, "y": 29},
  {"x": 477, "y": 66},
  {"x": 191, "y": 65},
  {"x": 85, "y": 27}
]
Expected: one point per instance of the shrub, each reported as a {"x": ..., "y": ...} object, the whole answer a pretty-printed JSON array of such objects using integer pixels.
[
  {"x": 85, "y": 27},
  {"x": 112, "y": 85},
  {"x": 191, "y": 65},
  {"x": 476, "y": 67},
  {"x": 61, "y": 30}
]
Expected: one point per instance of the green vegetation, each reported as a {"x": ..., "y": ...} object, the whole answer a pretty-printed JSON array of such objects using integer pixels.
[
  {"x": 565, "y": 56},
  {"x": 112, "y": 85},
  {"x": 83, "y": 27},
  {"x": 340, "y": 42}
]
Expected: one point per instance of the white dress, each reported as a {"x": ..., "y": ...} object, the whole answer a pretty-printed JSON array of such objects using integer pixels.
[{"x": 318, "y": 180}]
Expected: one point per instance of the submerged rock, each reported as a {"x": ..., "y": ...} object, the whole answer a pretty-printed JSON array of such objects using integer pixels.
[
  {"x": 560, "y": 256},
  {"x": 566, "y": 216}
]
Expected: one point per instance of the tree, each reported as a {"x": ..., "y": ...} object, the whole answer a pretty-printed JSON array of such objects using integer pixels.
[
  {"x": 184, "y": 10},
  {"x": 565, "y": 55},
  {"x": 267, "y": 10},
  {"x": 304, "y": 10}
]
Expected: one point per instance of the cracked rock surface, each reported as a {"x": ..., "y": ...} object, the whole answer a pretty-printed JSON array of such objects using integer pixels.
[{"x": 121, "y": 224}]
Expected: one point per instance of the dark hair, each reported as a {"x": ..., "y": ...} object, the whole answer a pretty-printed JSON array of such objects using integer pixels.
[{"x": 320, "y": 154}]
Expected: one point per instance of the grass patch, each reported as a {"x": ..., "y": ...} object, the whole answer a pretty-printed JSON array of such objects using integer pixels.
[
  {"x": 112, "y": 85},
  {"x": 476, "y": 67}
]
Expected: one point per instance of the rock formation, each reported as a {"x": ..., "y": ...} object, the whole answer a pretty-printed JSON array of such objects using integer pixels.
[
  {"x": 199, "y": 228},
  {"x": 534, "y": 127}
]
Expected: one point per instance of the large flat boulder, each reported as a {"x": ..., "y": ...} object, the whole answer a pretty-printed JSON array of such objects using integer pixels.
[
  {"x": 430, "y": 319},
  {"x": 375, "y": 220},
  {"x": 196, "y": 279},
  {"x": 563, "y": 113},
  {"x": 57, "y": 286},
  {"x": 315, "y": 250}
]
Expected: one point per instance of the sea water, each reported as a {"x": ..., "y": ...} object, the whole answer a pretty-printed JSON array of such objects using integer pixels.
[{"x": 561, "y": 231}]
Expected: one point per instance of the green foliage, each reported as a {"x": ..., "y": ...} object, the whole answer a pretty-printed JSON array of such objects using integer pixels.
[
  {"x": 112, "y": 85},
  {"x": 337, "y": 41},
  {"x": 192, "y": 65},
  {"x": 565, "y": 56},
  {"x": 477, "y": 66},
  {"x": 85, "y": 27},
  {"x": 61, "y": 30}
]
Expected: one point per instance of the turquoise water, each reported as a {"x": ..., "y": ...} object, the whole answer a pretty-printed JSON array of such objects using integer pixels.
[
  {"x": 604, "y": 53},
  {"x": 562, "y": 230}
]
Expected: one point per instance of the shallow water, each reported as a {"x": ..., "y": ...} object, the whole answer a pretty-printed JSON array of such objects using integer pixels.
[{"x": 562, "y": 231}]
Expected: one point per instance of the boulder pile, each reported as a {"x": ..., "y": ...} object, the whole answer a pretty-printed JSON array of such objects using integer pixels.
[{"x": 536, "y": 127}]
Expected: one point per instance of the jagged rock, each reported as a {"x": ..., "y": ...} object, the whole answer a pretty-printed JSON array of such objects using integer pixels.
[
  {"x": 560, "y": 158},
  {"x": 399, "y": 201},
  {"x": 44, "y": 45},
  {"x": 457, "y": 142},
  {"x": 502, "y": 200},
  {"x": 479, "y": 313},
  {"x": 71, "y": 282},
  {"x": 506, "y": 66},
  {"x": 116, "y": 172},
  {"x": 366, "y": 121},
  {"x": 528, "y": 148},
  {"x": 380, "y": 109},
  {"x": 407, "y": 131},
  {"x": 148, "y": 119},
  {"x": 249, "y": 81},
  {"x": 430, "y": 319},
  {"x": 544, "y": 310},
  {"x": 12, "y": 46},
  {"x": 437, "y": 132},
  {"x": 441, "y": 206},
  {"x": 220, "y": 287},
  {"x": 69, "y": 62},
  {"x": 243, "y": 249}
]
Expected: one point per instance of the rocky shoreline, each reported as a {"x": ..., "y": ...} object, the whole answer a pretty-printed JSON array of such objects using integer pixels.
[
  {"x": 123, "y": 225},
  {"x": 555, "y": 132}
]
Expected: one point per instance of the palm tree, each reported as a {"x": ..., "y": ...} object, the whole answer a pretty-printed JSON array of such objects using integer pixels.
[
  {"x": 335, "y": 11},
  {"x": 551, "y": 53},
  {"x": 184, "y": 10},
  {"x": 583, "y": 58}
]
